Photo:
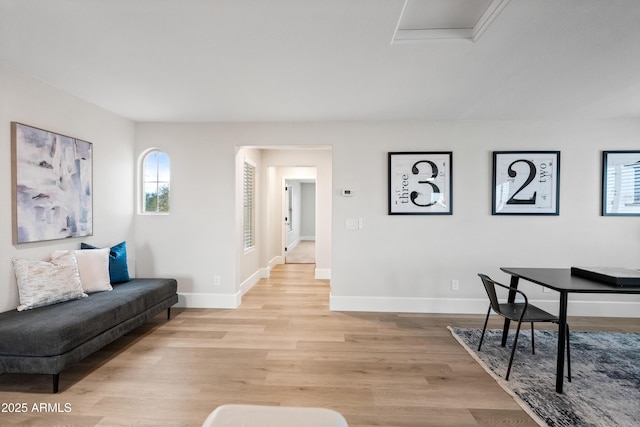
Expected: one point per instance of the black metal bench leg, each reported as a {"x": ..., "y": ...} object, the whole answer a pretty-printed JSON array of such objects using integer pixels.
[{"x": 56, "y": 382}]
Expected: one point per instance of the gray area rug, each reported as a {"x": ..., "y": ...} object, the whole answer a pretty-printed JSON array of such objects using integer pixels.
[{"x": 605, "y": 368}]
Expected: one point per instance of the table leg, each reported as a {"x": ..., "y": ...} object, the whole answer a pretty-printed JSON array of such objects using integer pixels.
[
  {"x": 511, "y": 298},
  {"x": 562, "y": 339}
]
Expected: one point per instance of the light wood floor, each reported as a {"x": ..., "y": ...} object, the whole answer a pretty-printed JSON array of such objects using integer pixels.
[{"x": 281, "y": 347}]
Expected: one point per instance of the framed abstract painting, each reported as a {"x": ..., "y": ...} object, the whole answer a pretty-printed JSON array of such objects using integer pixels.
[{"x": 52, "y": 187}]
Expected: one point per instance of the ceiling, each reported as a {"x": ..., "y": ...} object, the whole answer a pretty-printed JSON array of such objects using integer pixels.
[{"x": 319, "y": 60}]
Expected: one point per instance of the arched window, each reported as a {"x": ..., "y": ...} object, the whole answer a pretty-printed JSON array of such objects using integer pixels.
[{"x": 156, "y": 178}]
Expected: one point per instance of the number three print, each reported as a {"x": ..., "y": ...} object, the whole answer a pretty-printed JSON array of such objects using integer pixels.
[
  {"x": 420, "y": 183},
  {"x": 436, "y": 190}
]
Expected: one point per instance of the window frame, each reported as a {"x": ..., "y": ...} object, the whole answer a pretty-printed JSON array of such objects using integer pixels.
[{"x": 158, "y": 182}]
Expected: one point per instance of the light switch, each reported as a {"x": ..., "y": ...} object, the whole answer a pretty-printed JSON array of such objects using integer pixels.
[{"x": 351, "y": 224}]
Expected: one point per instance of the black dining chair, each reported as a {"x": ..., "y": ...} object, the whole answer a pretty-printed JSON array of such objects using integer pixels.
[{"x": 520, "y": 312}]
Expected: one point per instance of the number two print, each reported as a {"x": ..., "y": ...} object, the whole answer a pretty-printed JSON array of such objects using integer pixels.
[{"x": 526, "y": 183}]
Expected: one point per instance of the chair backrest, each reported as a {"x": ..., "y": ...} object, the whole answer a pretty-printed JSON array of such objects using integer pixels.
[{"x": 490, "y": 287}]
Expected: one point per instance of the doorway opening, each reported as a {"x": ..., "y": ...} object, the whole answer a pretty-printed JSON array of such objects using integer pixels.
[
  {"x": 276, "y": 168},
  {"x": 300, "y": 221}
]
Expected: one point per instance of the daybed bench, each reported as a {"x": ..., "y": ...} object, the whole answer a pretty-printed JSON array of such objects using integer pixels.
[{"x": 45, "y": 340}]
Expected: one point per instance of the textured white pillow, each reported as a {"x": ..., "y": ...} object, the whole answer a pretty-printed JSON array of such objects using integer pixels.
[
  {"x": 43, "y": 283},
  {"x": 93, "y": 266}
]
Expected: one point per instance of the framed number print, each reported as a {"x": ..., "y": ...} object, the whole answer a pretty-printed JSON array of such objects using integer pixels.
[
  {"x": 526, "y": 183},
  {"x": 621, "y": 183},
  {"x": 420, "y": 183}
]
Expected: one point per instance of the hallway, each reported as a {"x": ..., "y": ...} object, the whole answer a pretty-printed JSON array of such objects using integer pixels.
[{"x": 303, "y": 253}]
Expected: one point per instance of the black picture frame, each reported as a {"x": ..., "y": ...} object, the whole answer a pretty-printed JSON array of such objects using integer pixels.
[
  {"x": 621, "y": 183},
  {"x": 420, "y": 183},
  {"x": 526, "y": 183}
]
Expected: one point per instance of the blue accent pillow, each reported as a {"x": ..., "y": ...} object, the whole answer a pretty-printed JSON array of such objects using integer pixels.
[{"x": 118, "y": 270}]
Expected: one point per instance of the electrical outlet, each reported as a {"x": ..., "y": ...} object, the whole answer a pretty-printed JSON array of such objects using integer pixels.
[
  {"x": 455, "y": 285},
  {"x": 216, "y": 280}
]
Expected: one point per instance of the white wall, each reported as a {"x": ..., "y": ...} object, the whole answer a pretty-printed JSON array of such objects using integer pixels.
[
  {"x": 201, "y": 237},
  {"x": 308, "y": 211},
  {"x": 407, "y": 263},
  {"x": 402, "y": 263},
  {"x": 34, "y": 103},
  {"x": 394, "y": 263},
  {"x": 197, "y": 241}
]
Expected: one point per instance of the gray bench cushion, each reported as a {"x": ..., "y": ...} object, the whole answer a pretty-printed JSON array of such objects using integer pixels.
[{"x": 56, "y": 329}]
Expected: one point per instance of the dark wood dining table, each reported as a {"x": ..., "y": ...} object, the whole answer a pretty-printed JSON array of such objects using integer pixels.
[{"x": 565, "y": 283}]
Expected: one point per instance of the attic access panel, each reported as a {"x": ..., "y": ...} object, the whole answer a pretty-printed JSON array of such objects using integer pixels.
[{"x": 446, "y": 19}]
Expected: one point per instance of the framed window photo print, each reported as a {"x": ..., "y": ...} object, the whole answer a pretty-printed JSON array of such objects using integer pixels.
[
  {"x": 621, "y": 183},
  {"x": 420, "y": 183},
  {"x": 526, "y": 183}
]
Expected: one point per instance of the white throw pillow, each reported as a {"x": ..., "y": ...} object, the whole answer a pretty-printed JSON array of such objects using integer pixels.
[
  {"x": 42, "y": 283},
  {"x": 93, "y": 266}
]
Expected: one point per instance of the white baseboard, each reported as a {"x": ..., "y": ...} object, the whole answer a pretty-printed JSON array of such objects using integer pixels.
[
  {"x": 418, "y": 305},
  {"x": 263, "y": 273},
  {"x": 196, "y": 300},
  {"x": 293, "y": 245},
  {"x": 193, "y": 300},
  {"x": 407, "y": 305},
  {"x": 475, "y": 306},
  {"x": 323, "y": 273}
]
